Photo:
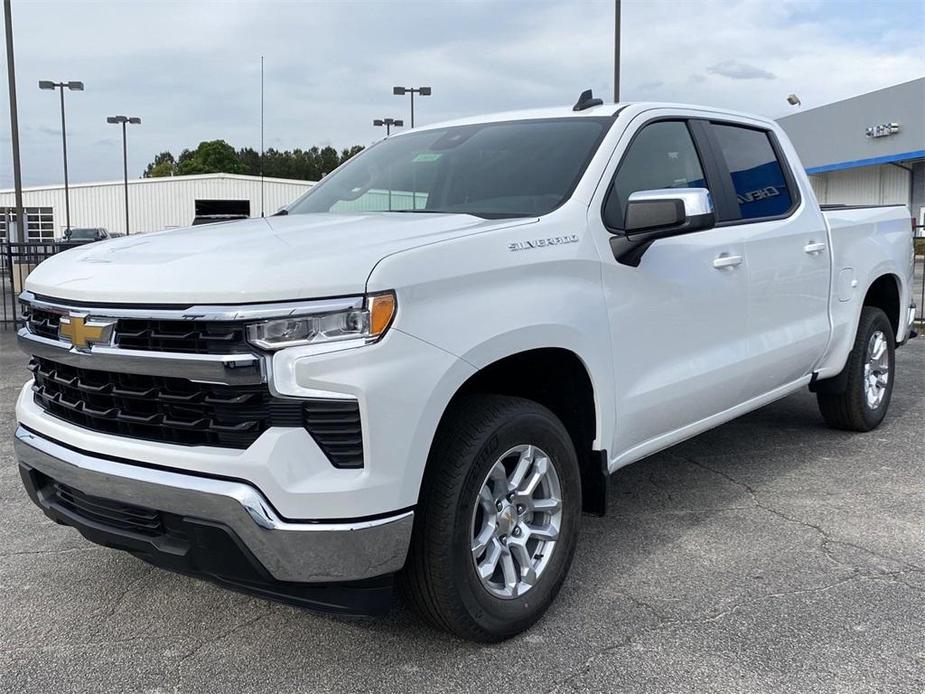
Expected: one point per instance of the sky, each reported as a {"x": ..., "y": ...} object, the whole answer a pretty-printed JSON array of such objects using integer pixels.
[{"x": 191, "y": 70}]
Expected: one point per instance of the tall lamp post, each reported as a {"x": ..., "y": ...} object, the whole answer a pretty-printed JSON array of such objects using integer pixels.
[
  {"x": 389, "y": 123},
  {"x": 401, "y": 91},
  {"x": 74, "y": 87},
  {"x": 123, "y": 120}
]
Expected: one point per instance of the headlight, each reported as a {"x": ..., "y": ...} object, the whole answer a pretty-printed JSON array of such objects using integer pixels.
[{"x": 366, "y": 323}]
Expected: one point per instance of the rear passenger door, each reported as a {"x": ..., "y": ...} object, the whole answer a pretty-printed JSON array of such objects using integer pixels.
[{"x": 787, "y": 257}]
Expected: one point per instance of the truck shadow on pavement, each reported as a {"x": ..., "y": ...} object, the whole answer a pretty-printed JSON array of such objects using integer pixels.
[{"x": 735, "y": 542}]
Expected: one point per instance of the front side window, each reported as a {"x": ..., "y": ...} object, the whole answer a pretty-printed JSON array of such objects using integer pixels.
[
  {"x": 507, "y": 169},
  {"x": 757, "y": 176},
  {"x": 662, "y": 155}
]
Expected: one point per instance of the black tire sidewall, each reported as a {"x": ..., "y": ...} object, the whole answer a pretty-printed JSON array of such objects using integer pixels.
[{"x": 502, "y": 617}]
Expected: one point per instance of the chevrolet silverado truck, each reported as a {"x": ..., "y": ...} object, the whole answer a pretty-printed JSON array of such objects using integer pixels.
[{"x": 419, "y": 374}]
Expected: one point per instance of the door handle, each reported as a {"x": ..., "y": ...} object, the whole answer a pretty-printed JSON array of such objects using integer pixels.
[
  {"x": 813, "y": 248},
  {"x": 727, "y": 261}
]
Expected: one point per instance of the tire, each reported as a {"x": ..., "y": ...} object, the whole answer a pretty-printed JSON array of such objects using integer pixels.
[
  {"x": 440, "y": 579},
  {"x": 852, "y": 409}
]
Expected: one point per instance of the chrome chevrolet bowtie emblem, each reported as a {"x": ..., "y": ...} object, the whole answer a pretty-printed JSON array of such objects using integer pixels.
[{"x": 82, "y": 332}]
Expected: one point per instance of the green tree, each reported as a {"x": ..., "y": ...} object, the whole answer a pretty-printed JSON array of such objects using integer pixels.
[
  {"x": 217, "y": 156},
  {"x": 163, "y": 165},
  {"x": 329, "y": 160},
  {"x": 250, "y": 161},
  {"x": 349, "y": 152},
  {"x": 211, "y": 156}
]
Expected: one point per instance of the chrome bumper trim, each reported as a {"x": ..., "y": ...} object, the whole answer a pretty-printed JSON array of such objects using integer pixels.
[
  {"x": 224, "y": 369},
  {"x": 314, "y": 552}
]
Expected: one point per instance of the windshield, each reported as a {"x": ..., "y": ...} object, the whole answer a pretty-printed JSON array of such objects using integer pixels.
[
  {"x": 508, "y": 169},
  {"x": 82, "y": 234}
]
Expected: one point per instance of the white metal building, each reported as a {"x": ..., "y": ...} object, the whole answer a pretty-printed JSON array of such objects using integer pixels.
[
  {"x": 869, "y": 149},
  {"x": 154, "y": 203}
]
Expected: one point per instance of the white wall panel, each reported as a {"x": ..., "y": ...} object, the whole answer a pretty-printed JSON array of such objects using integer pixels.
[
  {"x": 156, "y": 203},
  {"x": 820, "y": 187},
  {"x": 871, "y": 185}
]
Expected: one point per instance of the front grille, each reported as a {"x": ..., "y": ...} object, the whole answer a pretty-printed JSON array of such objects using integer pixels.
[
  {"x": 43, "y": 323},
  {"x": 335, "y": 425},
  {"x": 193, "y": 337},
  {"x": 172, "y": 410},
  {"x": 142, "y": 521}
]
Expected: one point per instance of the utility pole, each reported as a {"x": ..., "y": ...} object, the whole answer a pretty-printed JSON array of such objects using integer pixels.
[
  {"x": 616, "y": 52},
  {"x": 14, "y": 125}
]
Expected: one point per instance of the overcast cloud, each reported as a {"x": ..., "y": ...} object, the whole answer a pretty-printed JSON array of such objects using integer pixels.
[
  {"x": 191, "y": 70},
  {"x": 739, "y": 71}
]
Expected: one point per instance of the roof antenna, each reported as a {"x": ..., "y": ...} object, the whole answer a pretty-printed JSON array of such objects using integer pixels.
[{"x": 586, "y": 100}]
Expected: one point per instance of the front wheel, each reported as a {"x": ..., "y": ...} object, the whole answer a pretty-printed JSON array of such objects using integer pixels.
[
  {"x": 497, "y": 519},
  {"x": 869, "y": 377}
]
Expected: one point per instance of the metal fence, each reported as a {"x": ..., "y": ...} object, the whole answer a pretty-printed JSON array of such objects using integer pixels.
[{"x": 17, "y": 260}]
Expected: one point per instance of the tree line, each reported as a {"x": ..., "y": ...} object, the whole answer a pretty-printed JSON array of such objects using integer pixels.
[{"x": 217, "y": 156}]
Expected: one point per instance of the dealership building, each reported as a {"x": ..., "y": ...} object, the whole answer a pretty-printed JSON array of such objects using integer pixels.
[
  {"x": 869, "y": 149},
  {"x": 154, "y": 203}
]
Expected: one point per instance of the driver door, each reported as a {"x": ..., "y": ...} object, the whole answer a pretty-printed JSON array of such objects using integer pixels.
[{"x": 679, "y": 319}]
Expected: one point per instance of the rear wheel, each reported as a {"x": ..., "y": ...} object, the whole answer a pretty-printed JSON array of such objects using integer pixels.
[
  {"x": 497, "y": 520},
  {"x": 869, "y": 377}
]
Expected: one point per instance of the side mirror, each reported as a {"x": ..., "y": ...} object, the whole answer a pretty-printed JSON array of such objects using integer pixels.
[{"x": 658, "y": 214}]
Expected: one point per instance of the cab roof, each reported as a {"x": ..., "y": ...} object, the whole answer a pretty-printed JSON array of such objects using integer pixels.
[{"x": 605, "y": 110}]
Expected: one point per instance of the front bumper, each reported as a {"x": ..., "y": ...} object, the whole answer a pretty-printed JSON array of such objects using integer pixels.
[{"x": 213, "y": 519}]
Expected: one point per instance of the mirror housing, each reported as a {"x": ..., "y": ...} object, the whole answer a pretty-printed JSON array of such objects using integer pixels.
[{"x": 658, "y": 214}]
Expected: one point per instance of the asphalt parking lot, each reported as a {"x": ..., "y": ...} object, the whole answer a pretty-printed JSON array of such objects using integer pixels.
[{"x": 769, "y": 555}]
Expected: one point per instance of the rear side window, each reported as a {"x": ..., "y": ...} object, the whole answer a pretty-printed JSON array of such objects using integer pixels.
[
  {"x": 757, "y": 175},
  {"x": 662, "y": 155}
]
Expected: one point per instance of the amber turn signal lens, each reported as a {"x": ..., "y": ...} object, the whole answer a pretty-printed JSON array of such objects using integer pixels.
[{"x": 381, "y": 312}]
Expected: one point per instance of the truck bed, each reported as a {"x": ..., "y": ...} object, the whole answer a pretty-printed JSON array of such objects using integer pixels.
[{"x": 864, "y": 239}]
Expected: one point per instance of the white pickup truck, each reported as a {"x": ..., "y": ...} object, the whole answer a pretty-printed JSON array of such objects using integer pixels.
[{"x": 426, "y": 368}]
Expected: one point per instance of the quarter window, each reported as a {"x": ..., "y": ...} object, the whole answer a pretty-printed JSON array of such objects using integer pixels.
[
  {"x": 757, "y": 176},
  {"x": 662, "y": 155}
]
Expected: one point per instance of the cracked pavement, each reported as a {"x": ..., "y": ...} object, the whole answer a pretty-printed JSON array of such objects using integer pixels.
[{"x": 769, "y": 555}]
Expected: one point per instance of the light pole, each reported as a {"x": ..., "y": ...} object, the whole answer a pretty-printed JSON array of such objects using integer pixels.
[
  {"x": 74, "y": 87},
  {"x": 401, "y": 91},
  {"x": 123, "y": 120},
  {"x": 389, "y": 123}
]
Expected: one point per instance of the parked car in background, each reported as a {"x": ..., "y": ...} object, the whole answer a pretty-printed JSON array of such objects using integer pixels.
[
  {"x": 77, "y": 237},
  {"x": 428, "y": 367}
]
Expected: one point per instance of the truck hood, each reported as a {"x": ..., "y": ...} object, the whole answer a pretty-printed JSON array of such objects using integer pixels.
[{"x": 272, "y": 259}]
